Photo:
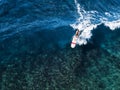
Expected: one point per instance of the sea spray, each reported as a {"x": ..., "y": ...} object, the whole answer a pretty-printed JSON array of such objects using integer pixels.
[
  {"x": 89, "y": 20},
  {"x": 84, "y": 24}
]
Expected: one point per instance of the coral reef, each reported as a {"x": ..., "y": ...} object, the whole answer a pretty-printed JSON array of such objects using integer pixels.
[{"x": 24, "y": 66}]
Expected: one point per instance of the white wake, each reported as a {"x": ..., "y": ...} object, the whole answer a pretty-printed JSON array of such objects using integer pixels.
[{"x": 89, "y": 20}]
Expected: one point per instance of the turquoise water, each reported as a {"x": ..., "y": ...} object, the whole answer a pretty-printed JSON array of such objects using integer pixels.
[{"x": 35, "y": 52}]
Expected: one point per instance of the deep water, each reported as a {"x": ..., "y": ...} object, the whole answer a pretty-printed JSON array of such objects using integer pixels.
[{"x": 35, "y": 52}]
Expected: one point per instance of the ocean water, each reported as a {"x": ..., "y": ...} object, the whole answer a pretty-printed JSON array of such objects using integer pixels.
[{"x": 35, "y": 52}]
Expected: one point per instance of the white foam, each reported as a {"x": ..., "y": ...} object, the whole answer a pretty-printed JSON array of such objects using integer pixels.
[
  {"x": 79, "y": 10},
  {"x": 113, "y": 25},
  {"x": 84, "y": 24},
  {"x": 89, "y": 20}
]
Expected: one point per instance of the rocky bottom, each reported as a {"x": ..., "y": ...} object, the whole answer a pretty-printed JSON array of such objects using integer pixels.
[{"x": 83, "y": 68}]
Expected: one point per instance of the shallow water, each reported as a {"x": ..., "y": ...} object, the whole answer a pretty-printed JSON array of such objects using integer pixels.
[{"x": 35, "y": 51}]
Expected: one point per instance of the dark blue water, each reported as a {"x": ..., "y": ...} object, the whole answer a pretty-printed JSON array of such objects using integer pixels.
[{"x": 35, "y": 52}]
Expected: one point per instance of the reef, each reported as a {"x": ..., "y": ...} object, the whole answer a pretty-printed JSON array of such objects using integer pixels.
[{"x": 25, "y": 66}]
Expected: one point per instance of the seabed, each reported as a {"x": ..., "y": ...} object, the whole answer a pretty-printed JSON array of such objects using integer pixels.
[{"x": 25, "y": 66}]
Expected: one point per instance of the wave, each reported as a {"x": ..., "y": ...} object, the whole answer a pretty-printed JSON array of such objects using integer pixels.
[
  {"x": 50, "y": 24},
  {"x": 19, "y": 15},
  {"x": 89, "y": 20}
]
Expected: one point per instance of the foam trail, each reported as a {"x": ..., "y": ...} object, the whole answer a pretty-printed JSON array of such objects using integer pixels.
[
  {"x": 84, "y": 24},
  {"x": 78, "y": 9},
  {"x": 89, "y": 20}
]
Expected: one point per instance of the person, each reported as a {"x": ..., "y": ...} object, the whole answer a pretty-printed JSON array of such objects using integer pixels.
[
  {"x": 75, "y": 37},
  {"x": 77, "y": 32}
]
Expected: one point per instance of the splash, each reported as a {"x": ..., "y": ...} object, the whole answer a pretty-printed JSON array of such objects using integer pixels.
[
  {"x": 113, "y": 25},
  {"x": 89, "y": 20},
  {"x": 84, "y": 24}
]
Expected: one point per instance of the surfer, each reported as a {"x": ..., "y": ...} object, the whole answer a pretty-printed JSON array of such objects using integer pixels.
[
  {"x": 77, "y": 33},
  {"x": 75, "y": 37}
]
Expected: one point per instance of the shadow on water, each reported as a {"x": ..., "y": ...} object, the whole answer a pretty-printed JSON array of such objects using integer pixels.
[
  {"x": 96, "y": 40},
  {"x": 81, "y": 69},
  {"x": 100, "y": 35},
  {"x": 53, "y": 39},
  {"x": 103, "y": 33},
  {"x": 37, "y": 41}
]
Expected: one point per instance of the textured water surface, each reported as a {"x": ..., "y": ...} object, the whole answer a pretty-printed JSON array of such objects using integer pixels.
[{"x": 35, "y": 52}]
